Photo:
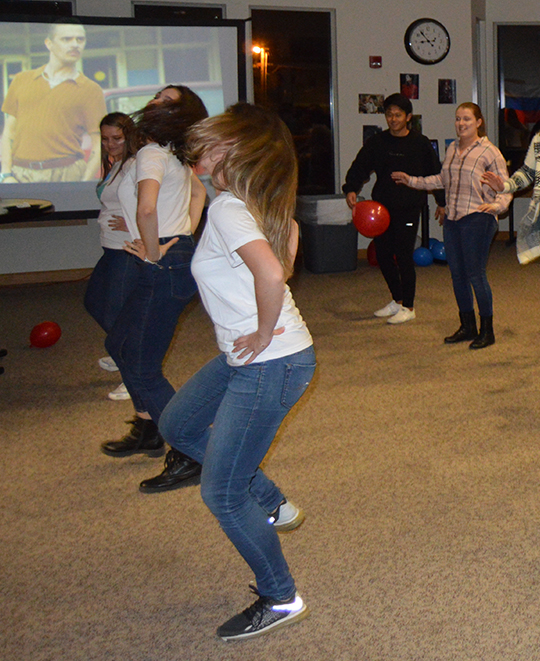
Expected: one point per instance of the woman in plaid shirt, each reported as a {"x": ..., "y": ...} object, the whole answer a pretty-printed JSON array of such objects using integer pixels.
[{"x": 471, "y": 219}]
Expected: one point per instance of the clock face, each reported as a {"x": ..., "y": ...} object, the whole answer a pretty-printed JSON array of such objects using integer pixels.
[{"x": 427, "y": 41}]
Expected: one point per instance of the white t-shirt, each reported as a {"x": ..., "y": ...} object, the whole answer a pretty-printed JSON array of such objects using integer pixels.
[
  {"x": 110, "y": 206},
  {"x": 159, "y": 163},
  {"x": 227, "y": 286}
]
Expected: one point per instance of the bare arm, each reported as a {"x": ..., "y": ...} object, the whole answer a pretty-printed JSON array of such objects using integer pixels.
[
  {"x": 147, "y": 218},
  {"x": 94, "y": 161},
  {"x": 269, "y": 291},
  {"x": 293, "y": 240},
  {"x": 7, "y": 146},
  {"x": 196, "y": 204}
]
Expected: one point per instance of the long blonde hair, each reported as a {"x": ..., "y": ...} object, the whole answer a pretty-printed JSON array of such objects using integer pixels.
[{"x": 258, "y": 167}]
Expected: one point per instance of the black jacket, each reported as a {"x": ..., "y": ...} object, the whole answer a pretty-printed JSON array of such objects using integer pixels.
[{"x": 383, "y": 154}]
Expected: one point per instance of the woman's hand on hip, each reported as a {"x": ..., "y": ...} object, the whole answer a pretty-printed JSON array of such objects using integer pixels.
[
  {"x": 253, "y": 344},
  {"x": 118, "y": 224},
  {"x": 137, "y": 248},
  {"x": 489, "y": 207}
]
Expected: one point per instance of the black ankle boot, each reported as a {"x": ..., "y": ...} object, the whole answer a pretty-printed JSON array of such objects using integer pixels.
[
  {"x": 143, "y": 438},
  {"x": 467, "y": 330},
  {"x": 178, "y": 469},
  {"x": 485, "y": 337}
]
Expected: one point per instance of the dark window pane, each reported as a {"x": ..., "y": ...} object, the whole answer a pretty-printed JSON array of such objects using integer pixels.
[
  {"x": 519, "y": 89},
  {"x": 293, "y": 76}
]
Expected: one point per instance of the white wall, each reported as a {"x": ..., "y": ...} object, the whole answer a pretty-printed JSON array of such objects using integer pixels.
[{"x": 362, "y": 28}]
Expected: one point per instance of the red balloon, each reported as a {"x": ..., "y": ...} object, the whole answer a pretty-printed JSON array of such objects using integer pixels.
[
  {"x": 370, "y": 218},
  {"x": 372, "y": 254},
  {"x": 45, "y": 334}
]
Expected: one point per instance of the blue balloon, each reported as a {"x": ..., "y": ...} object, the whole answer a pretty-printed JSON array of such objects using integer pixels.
[
  {"x": 439, "y": 252},
  {"x": 432, "y": 242},
  {"x": 423, "y": 256}
]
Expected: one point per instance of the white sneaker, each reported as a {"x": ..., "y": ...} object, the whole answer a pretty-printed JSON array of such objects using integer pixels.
[
  {"x": 119, "y": 393},
  {"x": 107, "y": 363},
  {"x": 403, "y": 315},
  {"x": 287, "y": 517},
  {"x": 388, "y": 310}
]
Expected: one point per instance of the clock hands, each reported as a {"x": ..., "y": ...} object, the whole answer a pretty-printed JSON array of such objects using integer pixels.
[{"x": 429, "y": 41}]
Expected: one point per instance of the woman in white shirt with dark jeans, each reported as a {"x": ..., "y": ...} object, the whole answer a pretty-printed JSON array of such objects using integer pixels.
[
  {"x": 115, "y": 275},
  {"x": 162, "y": 201}
]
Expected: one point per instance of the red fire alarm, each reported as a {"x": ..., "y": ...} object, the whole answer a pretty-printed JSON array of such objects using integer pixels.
[{"x": 375, "y": 61}]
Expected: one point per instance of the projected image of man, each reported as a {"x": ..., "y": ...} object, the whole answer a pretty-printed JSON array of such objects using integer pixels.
[{"x": 48, "y": 111}]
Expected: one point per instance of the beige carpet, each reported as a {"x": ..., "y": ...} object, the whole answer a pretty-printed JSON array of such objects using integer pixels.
[{"x": 417, "y": 463}]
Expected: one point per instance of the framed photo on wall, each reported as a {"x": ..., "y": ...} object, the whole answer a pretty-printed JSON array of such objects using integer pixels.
[
  {"x": 447, "y": 90},
  {"x": 409, "y": 85}
]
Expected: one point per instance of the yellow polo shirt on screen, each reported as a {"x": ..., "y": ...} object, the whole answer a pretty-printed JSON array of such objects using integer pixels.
[{"x": 51, "y": 122}]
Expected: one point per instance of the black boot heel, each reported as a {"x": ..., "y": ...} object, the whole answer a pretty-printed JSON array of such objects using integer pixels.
[
  {"x": 466, "y": 332},
  {"x": 486, "y": 336},
  {"x": 143, "y": 438}
]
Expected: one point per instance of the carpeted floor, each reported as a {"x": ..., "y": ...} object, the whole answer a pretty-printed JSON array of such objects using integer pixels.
[{"x": 417, "y": 464}]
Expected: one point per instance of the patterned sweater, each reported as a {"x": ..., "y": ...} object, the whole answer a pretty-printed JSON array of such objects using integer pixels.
[
  {"x": 529, "y": 172},
  {"x": 528, "y": 233}
]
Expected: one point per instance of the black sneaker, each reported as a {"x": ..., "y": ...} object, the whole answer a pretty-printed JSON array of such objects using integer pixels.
[{"x": 264, "y": 616}]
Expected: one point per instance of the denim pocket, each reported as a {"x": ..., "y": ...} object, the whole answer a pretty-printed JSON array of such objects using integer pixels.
[
  {"x": 297, "y": 379},
  {"x": 183, "y": 285}
]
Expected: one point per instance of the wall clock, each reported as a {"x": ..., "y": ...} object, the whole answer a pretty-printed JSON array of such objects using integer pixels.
[{"x": 427, "y": 41}]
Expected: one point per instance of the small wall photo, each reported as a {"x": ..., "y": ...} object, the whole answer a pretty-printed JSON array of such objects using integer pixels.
[
  {"x": 447, "y": 90},
  {"x": 371, "y": 103},
  {"x": 409, "y": 85}
]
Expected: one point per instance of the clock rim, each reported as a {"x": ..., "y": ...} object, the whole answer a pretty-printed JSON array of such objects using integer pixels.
[{"x": 416, "y": 57}]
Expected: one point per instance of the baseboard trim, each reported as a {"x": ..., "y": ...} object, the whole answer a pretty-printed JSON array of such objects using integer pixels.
[
  {"x": 43, "y": 277},
  {"x": 46, "y": 277}
]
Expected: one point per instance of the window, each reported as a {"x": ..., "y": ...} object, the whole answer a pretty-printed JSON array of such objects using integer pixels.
[
  {"x": 292, "y": 74},
  {"x": 519, "y": 89}
]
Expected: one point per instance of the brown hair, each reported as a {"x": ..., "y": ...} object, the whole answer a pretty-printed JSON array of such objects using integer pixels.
[
  {"x": 258, "y": 167},
  {"x": 477, "y": 112},
  {"x": 123, "y": 122},
  {"x": 166, "y": 123}
]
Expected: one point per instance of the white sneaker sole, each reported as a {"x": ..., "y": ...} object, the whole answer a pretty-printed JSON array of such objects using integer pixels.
[
  {"x": 400, "y": 321},
  {"x": 293, "y": 524},
  {"x": 107, "y": 366},
  {"x": 286, "y": 621},
  {"x": 118, "y": 396}
]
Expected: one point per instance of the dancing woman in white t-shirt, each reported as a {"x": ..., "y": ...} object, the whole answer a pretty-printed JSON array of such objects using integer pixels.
[
  {"x": 227, "y": 415},
  {"x": 114, "y": 276},
  {"x": 162, "y": 201}
]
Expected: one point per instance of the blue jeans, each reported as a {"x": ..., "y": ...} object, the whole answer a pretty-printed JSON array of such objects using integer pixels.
[
  {"x": 467, "y": 242},
  {"x": 113, "y": 279},
  {"x": 226, "y": 418},
  {"x": 145, "y": 327}
]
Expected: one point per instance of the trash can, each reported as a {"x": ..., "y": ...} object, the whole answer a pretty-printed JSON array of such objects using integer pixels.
[{"x": 329, "y": 238}]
